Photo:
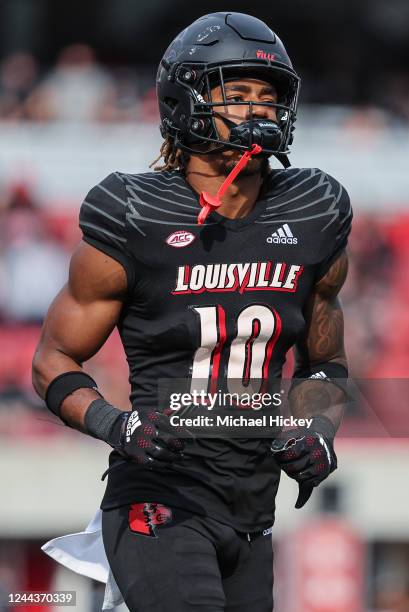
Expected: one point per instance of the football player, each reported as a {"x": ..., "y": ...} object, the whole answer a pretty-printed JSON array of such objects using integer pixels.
[{"x": 212, "y": 267}]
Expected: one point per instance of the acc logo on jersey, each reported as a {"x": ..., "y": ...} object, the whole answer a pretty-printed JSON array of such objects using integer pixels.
[{"x": 181, "y": 238}]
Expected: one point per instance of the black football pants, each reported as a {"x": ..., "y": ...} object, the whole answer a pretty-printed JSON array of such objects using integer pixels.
[{"x": 167, "y": 560}]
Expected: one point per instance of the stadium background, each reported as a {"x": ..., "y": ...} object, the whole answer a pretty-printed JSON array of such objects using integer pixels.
[{"x": 77, "y": 101}]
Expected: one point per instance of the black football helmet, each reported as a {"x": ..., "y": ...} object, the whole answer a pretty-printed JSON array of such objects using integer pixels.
[{"x": 213, "y": 50}]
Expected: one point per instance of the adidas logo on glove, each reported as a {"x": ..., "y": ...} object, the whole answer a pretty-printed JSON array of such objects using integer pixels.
[
  {"x": 133, "y": 422},
  {"x": 282, "y": 236}
]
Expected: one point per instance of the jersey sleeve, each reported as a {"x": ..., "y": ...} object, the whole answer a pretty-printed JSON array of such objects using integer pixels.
[
  {"x": 102, "y": 220},
  {"x": 337, "y": 232}
]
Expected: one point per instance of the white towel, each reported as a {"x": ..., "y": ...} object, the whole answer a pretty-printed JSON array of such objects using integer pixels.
[{"x": 84, "y": 553}]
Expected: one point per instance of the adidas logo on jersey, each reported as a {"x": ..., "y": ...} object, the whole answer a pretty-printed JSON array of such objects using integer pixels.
[{"x": 282, "y": 236}]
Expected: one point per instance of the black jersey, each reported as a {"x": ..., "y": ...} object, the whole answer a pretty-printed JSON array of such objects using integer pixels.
[{"x": 211, "y": 303}]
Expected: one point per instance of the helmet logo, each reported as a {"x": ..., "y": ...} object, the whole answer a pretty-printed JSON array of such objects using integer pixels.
[
  {"x": 179, "y": 239},
  {"x": 206, "y": 33},
  {"x": 264, "y": 55}
]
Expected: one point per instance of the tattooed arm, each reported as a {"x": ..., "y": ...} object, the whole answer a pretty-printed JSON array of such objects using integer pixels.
[
  {"x": 308, "y": 456},
  {"x": 323, "y": 342}
]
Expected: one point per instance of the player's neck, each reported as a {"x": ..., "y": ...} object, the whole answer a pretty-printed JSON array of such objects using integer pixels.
[{"x": 240, "y": 197}]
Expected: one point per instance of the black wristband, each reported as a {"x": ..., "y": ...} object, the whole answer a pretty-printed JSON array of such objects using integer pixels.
[
  {"x": 65, "y": 384},
  {"x": 327, "y": 372},
  {"x": 104, "y": 422}
]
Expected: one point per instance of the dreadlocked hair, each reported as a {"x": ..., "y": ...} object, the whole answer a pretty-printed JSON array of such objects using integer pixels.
[
  {"x": 177, "y": 159},
  {"x": 174, "y": 158}
]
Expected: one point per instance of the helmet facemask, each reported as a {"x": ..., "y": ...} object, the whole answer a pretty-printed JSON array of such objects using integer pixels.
[{"x": 198, "y": 126}]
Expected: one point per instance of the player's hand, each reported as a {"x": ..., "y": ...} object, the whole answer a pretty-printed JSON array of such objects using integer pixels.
[
  {"x": 148, "y": 438},
  {"x": 307, "y": 455}
]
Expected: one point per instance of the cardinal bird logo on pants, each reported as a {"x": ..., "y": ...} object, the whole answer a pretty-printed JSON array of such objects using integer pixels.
[{"x": 145, "y": 517}]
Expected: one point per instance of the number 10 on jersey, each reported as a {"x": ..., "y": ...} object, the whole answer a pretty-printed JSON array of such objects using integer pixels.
[{"x": 257, "y": 329}]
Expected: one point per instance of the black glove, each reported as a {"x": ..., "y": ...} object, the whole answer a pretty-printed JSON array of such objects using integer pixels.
[
  {"x": 307, "y": 455},
  {"x": 147, "y": 437}
]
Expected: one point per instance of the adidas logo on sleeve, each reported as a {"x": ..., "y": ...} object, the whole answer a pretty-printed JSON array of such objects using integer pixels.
[
  {"x": 321, "y": 375},
  {"x": 282, "y": 236}
]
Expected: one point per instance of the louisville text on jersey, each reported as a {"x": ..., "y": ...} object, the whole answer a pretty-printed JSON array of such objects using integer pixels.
[{"x": 240, "y": 277}]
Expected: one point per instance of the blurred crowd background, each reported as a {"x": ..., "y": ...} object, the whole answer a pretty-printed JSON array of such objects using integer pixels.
[
  {"x": 75, "y": 75},
  {"x": 96, "y": 62}
]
